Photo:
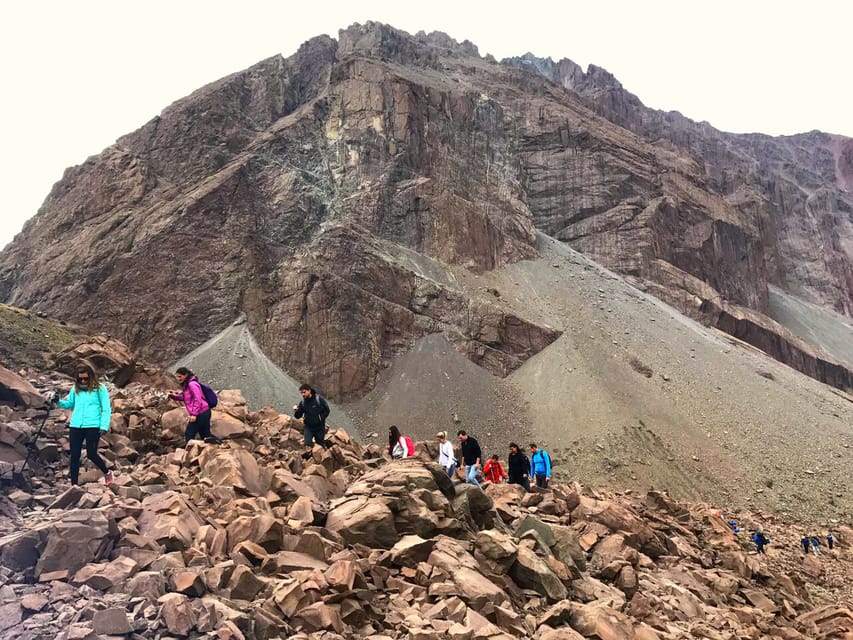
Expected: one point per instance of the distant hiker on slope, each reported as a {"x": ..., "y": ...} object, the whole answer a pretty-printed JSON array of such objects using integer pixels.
[
  {"x": 197, "y": 404},
  {"x": 446, "y": 456},
  {"x": 540, "y": 466},
  {"x": 399, "y": 446},
  {"x": 315, "y": 410},
  {"x": 815, "y": 545},
  {"x": 493, "y": 470},
  {"x": 89, "y": 401},
  {"x": 471, "y": 456},
  {"x": 519, "y": 467},
  {"x": 807, "y": 543},
  {"x": 830, "y": 540},
  {"x": 760, "y": 540}
]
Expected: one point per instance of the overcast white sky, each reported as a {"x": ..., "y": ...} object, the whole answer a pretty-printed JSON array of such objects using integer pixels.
[{"x": 77, "y": 75}]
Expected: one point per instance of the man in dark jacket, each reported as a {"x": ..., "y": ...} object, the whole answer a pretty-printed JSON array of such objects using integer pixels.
[
  {"x": 471, "y": 456},
  {"x": 518, "y": 467},
  {"x": 315, "y": 409}
]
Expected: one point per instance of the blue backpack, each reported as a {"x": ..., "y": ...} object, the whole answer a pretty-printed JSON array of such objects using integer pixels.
[{"x": 209, "y": 395}]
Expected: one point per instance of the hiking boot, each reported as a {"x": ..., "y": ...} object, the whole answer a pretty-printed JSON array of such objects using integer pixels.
[
  {"x": 108, "y": 478},
  {"x": 212, "y": 440}
]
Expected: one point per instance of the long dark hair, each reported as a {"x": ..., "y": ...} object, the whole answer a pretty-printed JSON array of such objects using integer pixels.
[
  {"x": 393, "y": 438},
  {"x": 93, "y": 382},
  {"x": 185, "y": 372}
]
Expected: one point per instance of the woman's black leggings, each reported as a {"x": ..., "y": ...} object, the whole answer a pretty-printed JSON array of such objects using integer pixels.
[
  {"x": 91, "y": 436},
  {"x": 201, "y": 427}
]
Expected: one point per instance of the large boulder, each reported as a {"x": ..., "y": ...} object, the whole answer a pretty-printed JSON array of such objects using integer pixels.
[
  {"x": 177, "y": 614},
  {"x": 173, "y": 423},
  {"x": 18, "y": 551},
  {"x": 236, "y": 468},
  {"x": 232, "y": 402},
  {"x": 410, "y": 550},
  {"x": 108, "y": 575},
  {"x": 14, "y": 389},
  {"x": 107, "y": 355},
  {"x": 170, "y": 520},
  {"x": 226, "y": 426},
  {"x": 472, "y": 505},
  {"x": 532, "y": 572},
  {"x": 618, "y": 518},
  {"x": 567, "y": 546},
  {"x": 402, "y": 477},
  {"x": 81, "y": 537},
  {"x": 496, "y": 546},
  {"x": 543, "y": 531},
  {"x": 605, "y": 623},
  {"x": 360, "y": 519},
  {"x": 451, "y": 557}
]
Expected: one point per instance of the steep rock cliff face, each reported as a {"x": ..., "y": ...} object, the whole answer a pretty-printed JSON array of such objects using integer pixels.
[
  {"x": 801, "y": 186},
  {"x": 271, "y": 192},
  {"x": 323, "y": 194}
]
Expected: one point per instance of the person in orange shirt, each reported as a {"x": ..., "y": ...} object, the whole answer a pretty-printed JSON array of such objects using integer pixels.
[{"x": 493, "y": 470}]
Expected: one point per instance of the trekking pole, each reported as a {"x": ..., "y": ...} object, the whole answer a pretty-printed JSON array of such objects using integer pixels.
[{"x": 31, "y": 445}]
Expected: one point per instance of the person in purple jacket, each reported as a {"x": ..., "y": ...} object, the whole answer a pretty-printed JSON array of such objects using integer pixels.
[{"x": 193, "y": 398}]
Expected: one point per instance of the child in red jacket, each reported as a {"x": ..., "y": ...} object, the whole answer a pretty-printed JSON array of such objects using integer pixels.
[{"x": 493, "y": 470}]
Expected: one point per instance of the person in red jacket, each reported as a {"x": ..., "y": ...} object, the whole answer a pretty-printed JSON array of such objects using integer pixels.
[{"x": 493, "y": 470}]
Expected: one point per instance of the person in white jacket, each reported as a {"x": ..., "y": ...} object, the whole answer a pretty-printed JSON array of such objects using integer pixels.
[
  {"x": 446, "y": 457},
  {"x": 397, "y": 446}
]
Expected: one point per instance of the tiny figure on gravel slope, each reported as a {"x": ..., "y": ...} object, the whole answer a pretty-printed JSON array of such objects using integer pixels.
[
  {"x": 815, "y": 545},
  {"x": 760, "y": 540}
]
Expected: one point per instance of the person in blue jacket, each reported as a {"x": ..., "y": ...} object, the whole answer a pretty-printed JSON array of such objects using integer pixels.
[
  {"x": 89, "y": 401},
  {"x": 760, "y": 541},
  {"x": 540, "y": 466}
]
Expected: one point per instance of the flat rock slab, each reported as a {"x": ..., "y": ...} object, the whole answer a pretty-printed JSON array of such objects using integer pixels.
[{"x": 111, "y": 622}]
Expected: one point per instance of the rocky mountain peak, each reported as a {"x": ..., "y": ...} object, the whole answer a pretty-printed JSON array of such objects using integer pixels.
[
  {"x": 444, "y": 41},
  {"x": 437, "y": 162}
]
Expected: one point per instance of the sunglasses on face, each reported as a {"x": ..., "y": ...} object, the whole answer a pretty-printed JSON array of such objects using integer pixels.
[{"x": 82, "y": 378}]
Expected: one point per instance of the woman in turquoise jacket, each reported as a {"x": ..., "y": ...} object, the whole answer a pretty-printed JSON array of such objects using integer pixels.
[{"x": 90, "y": 402}]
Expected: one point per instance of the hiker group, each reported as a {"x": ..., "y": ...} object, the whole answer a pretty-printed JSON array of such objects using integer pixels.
[
  {"x": 813, "y": 544},
  {"x": 519, "y": 469},
  {"x": 809, "y": 543},
  {"x": 89, "y": 402}
]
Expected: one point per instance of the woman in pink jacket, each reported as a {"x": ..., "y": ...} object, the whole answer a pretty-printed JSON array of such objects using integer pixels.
[{"x": 193, "y": 398}]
